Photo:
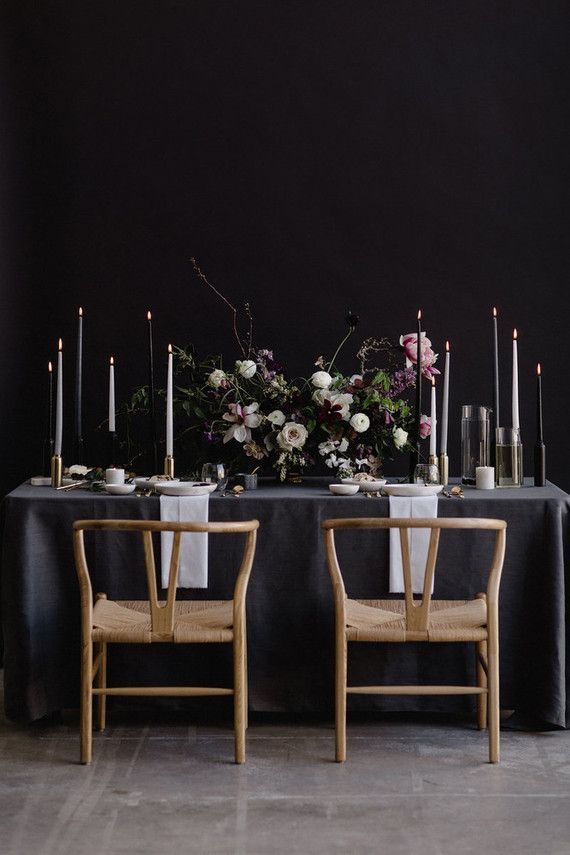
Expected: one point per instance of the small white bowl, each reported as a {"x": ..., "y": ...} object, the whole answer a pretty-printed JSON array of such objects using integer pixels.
[
  {"x": 119, "y": 489},
  {"x": 343, "y": 489}
]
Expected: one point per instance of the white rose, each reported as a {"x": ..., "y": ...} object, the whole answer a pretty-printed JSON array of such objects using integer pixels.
[
  {"x": 246, "y": 368},
  {"x": 216, "y": 378},
  {"x": 276, "y": 417},
  {"x": 321, "y": 379},
  {"x": 360, "y": 422},
  {"x": 292, "y": 435},
  {"x": 400, "y": 437}
]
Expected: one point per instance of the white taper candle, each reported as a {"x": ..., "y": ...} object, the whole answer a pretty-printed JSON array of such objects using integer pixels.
[
  {"x": 515, "y": 402},
  {"x": 59, "y": 401},
  {"x": 169, "y": 408},
  {"x": 112, "y": 395}
]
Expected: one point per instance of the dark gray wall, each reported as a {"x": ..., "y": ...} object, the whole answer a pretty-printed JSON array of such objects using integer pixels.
[{"x": 312, "y": 156}]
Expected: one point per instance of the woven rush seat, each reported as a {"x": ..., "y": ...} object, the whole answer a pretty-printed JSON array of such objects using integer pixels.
[
  {"x": 385, "y": 620},
  {"x": 129, "y": 621}
]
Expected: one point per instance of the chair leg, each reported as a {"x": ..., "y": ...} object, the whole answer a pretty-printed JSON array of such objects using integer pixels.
[
  {"x": 86, "y": 702},
  {"x": 102, "y": 684},
  {"x": 494, "y": 711},
  {"x": 245, "y": 684},
  {"x": 482, "y": 700},
  {"x": 340, "y": 698},
  {"x": 240, "y": 700}
]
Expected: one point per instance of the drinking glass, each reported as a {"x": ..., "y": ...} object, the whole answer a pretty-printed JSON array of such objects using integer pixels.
[
  {"x": 213, "y": 473},
  {"x": 426, "y": 474},
  {"x": 475, "y": 428},
  {"x": 509, "y": 463}
]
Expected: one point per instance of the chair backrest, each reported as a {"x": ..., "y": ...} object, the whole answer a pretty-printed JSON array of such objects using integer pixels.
[
  {"x": 417, "y": 611},
  {"x": 162, "y": 616}
]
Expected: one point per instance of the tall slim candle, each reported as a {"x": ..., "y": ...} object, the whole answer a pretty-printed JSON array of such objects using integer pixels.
[
  {"x": 515, "y": 401},
  {"x": 445, "y": 404},
  {"x": 496, "y": 418},
  {"x": 59, "y": 401},
  {"x": 152, "y": 414},
  {"x": 112, "y": 395},
  {"x": 419, "y": 382},
  {"x": 169, "y": 408},
  {"x": 79, "y": 381},
  {"x": 50, "y": 404},
  {"x": 433, "y": 432},
  {"x": 539, "y": 428}
]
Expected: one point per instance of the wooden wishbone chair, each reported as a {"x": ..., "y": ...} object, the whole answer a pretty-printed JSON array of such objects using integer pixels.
[
  {"x": 148, "y": 621},
  {"x": 420, "y": 620}
]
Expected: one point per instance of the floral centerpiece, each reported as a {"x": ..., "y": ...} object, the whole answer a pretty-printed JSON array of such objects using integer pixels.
[{"x": 254, "y": 415}]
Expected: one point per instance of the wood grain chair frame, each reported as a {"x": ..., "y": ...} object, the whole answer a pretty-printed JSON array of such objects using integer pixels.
[
  {"x": 426, "y": 619},
  {"x": 150, "y": 621}
]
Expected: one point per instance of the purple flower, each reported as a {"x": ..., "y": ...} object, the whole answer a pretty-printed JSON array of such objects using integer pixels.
[{"x": 401, "y": 380}]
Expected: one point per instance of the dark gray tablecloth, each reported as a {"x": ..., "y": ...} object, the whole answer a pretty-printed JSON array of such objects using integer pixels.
[{"x": 290, "y": 608}]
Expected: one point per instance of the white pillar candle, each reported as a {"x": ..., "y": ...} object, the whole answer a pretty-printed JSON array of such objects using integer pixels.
[
  {"x": 433, "y": 433},
  {"x": 59, "y": 401},
  {"x": 114, "y": 475},
  {"x": 112, "y": 396},
  {"x": 485, "y": 477},
  {"x": 515, "y": 401},
  {"x": 445, "y": 404},
  {"x": 169, "y": 408}
]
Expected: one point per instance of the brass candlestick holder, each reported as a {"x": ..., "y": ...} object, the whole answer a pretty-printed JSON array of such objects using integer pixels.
[
  {"x": 56, "y": 470},
  {"x": 432, "y": 460},
  {"x": 443, "y": 464},
  {"x": 169, "y": 466}
]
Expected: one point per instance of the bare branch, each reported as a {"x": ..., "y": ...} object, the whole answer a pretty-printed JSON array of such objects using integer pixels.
[{"x": 233, "y": 309}]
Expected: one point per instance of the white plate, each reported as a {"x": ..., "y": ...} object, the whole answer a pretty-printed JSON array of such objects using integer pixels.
[
  {"x": 366, "y": 486},
  {"x": 412, "y": 489},
  {"x": 184, "y": 488},
  {"x": 45, "y": 481},
  {"x": 145, "y": 482},
  {"x": 119, "y": 489}
]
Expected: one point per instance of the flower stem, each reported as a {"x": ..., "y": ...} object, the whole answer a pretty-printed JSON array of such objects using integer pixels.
[{"x": 341, "y": 345}]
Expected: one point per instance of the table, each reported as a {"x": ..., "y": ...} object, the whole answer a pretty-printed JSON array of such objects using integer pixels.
[{"x": 290, "y": 606}]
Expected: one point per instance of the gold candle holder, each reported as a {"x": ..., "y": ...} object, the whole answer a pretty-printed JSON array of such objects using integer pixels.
[
  {"x": 169, "y": 466},
  {"x": 56, "y": 470},
  {"x": 443, "y": 469},
  {"x": 432, "y": 460}
]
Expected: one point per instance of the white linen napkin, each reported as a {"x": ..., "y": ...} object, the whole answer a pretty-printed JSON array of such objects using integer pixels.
[
  {"x": 411, "y": 507},
  {"x": 193, "y": 568}
]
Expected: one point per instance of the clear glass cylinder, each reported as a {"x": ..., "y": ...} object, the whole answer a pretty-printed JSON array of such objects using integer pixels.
[
  {"x": 475, "y": 434},
  {"x": 509, "y": 454}
]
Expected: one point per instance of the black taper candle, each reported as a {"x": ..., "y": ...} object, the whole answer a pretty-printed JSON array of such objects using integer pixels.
[
  {"x": 539, "y": 448},
  {"x": 48, "y": 441},
  {"x": 152, "y": 414},
  {"x": 415, "y": 456}
]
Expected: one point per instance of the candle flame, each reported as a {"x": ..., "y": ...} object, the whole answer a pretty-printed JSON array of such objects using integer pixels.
[
  {"x": 60, "y": 345},
  {"x": 149, "y": 315},
  {"x": 494, "y": 311},
  {"x": 433, "y": 379},
  {"x": 80, "y": 312},
  {"x": 538, "y": 369},
  {"x": 515, "y": 334},
  {"x": 447, "y": 346},
  {"x": 112, "y": 360},
  {"x": 419, "y": 314},
  {"x": 170, "y": 348},
  {"x": 50, "y": 367}
]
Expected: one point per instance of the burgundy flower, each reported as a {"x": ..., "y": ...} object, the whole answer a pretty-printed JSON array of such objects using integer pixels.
[{"x": 330, "y": 412}]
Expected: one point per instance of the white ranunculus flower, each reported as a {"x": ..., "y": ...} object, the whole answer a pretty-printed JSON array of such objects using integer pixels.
[
  {"x": 292, "y": 435},
  {"x": 246, "y": 368},
  {"x": 319, "y": 396},
  {"x": 400, "y": 437},
  {"x": 321, "y": 379},
  {"x": 277, "y": 417},
  {"x": 216, "y": 378},
  {"x": 360, "y": 422}
]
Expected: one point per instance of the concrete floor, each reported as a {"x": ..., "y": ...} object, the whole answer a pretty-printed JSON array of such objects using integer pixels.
[{"x": 164, "y": 784}]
